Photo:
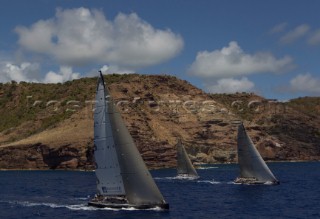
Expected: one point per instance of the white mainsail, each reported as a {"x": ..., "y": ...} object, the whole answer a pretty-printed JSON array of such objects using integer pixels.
[
  {"x": 252, "y": 166},
  {"x": 120, "y": 167}
]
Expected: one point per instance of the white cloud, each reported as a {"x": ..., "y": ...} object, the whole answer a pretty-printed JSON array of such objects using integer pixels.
[
  {"x": 232, "y": 61},
  {"x": 305, "y": 83},
  {"x": 82, "y": 36},
  {"x": 231, "y": 85},
  {"x": 24, "y": 72},
  {"x": 29, "y": 72},
  {"x": 278, "y": 28},
  {"x": 295, "y": 34},
  {"x": 110, "y": 69},
  {"x": 314, "y": 38},
  {"x": 65, "y": 74}
]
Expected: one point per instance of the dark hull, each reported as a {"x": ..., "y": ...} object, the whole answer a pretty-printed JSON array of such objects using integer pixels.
[{"x": 164, "y": 206}]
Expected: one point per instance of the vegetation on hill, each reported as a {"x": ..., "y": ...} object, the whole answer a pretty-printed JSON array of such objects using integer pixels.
[
  {"x": 307, "y": 105},
  {"x": 51, "y": 124},
  {"x": 41, "y": 105},
  {"x": 244, "y": 105}
]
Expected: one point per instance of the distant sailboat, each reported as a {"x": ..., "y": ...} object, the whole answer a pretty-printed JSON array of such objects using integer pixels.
[
  {"x": 185, "y": 168},
  {"x": 253, "y": 169},
  {"x": 123, "y": 179}
]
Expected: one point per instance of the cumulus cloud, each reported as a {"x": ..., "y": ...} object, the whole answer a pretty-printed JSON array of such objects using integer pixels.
[
  {"x": 65, "y": 74},
  {"x": 295, "y": 34},
  {"x": 24, "y": 72},
  {"x": 232, "y": 61},
  {"x": 29, "y": 72},
  {"x": 305, "y": 83},
  {"x": 314, "y": 38},
  {"x": 81, "y": 36},
  {"x": 110, "y": 69},
  {"x": 231, "y": 85}
]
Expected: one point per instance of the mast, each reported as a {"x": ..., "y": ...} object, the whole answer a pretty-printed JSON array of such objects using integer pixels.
[
  {"x": 250, "y": 161},
  {"x": 140, "y": 188},
  {"x": 184, "y": 165}
]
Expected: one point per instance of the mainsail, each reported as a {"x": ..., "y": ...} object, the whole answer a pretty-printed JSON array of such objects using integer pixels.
[
  {"x": 252, "y": 166},
  {"x": 109, "y": 179},
  {"x": 121, "y": 170},
  {"x": 184, "y": 165}
]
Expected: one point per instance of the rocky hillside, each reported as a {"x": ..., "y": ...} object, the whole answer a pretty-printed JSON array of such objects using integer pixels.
[{"x": 51, "y": 125}]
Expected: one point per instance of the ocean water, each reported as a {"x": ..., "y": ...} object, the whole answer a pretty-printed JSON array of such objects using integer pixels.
[{"x": 64, "y": 194}]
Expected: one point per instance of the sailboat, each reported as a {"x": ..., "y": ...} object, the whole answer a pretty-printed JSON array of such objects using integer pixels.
[
  {"x": 253, "y": 169},
  {"x": 123, "y": 180},
  {"x": 185, "y": 168}
]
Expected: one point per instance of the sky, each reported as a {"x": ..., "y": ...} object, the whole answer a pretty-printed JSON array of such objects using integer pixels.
[{"x": 271, "y": 48}]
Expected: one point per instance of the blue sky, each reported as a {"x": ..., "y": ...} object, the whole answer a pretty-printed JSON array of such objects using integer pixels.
[{"x": 271, "y": 48}]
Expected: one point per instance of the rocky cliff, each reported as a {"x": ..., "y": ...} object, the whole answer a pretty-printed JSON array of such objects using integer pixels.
[{"x": 51, "y": 125}]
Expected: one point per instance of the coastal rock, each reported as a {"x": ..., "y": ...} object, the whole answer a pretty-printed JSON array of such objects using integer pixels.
[{"x": 38, "y": 133}]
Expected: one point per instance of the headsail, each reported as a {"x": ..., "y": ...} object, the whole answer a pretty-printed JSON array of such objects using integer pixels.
[
  {"x": 139, "y": 186},
  {"x": 184, "y": 165},
  {"x": 250, "y": 161}
]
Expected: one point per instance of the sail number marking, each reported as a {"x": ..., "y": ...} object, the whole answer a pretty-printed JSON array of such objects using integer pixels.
[{"x": 111, "y": 188}]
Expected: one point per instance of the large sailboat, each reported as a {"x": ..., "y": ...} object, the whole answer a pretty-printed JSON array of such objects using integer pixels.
[
  {"x": 253, "y": 169},
  {"x": 185, "y": 168},
  {"x": 123, "y": 179}
]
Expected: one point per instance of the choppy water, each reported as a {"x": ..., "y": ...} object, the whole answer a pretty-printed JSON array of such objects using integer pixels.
[{"x": 64, "y": 194}]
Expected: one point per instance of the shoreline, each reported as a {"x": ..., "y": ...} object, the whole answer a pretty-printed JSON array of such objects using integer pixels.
[{"x": 196, "y": 165}]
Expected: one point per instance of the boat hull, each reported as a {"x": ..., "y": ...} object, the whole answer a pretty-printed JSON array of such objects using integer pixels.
[
  {"x": 96, "y": 204},
  {"x": 253, "y": 181}
]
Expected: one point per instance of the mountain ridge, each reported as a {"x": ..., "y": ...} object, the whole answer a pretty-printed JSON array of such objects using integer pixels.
[{"x": 50, "y": 126}]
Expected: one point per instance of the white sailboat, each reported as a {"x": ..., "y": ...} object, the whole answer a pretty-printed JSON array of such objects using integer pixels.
[
  {"x": 123, "y": 179},
  {"x": 185, "y": 169},
  {"x": 253, "y": 169}
]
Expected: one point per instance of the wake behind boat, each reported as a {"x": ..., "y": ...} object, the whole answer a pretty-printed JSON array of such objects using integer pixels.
[
  {"x": 123, "y": 180},
  {"x": 253, "y": 169},
  {"x": 185, "y": 168}
]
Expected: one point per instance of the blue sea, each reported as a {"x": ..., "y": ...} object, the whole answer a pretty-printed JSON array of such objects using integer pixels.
[{"x": 64, "y": 194}]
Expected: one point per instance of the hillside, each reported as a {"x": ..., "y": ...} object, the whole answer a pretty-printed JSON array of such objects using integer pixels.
[{"x": 51, "y": 125}]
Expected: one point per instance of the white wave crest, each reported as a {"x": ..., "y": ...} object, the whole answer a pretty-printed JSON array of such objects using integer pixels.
[
  {"x": 206, "y": 168},
  {"x": 179, "y": 177},
  {"x": 78, "y": 207},
  {"x": 208, "y": 181}
]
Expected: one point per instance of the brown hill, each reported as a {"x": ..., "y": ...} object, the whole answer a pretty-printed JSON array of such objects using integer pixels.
[{"x": 51, "y": 125}]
